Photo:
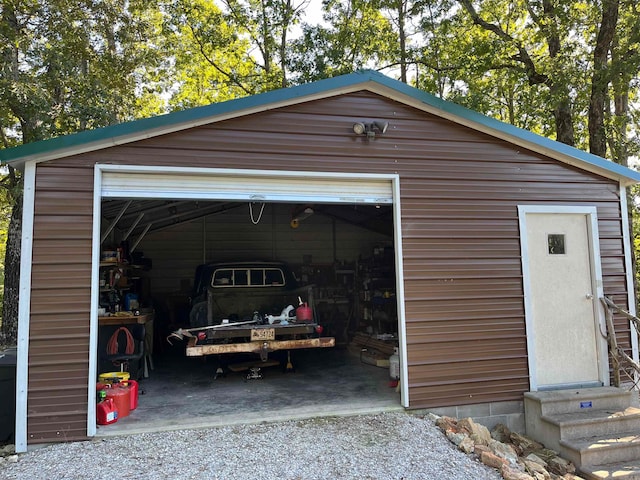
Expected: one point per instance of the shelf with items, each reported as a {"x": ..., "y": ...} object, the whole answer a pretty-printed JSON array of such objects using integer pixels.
[
  {"x": 110, "y": 275},
  {"x": 119, "y": 286},
  {"x": 378, "y": 313},
  {"x": 123, "y": 284}
]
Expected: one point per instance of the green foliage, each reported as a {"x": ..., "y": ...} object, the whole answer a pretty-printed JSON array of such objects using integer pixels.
[
  {"x": 220, "y": 53},
  {"x": 209, "y": 62},
  {"x": 531, "y": 63},
  {"x": 70, "y": 65},
  {"x": 267, "y": 24},
  {"x": 357, "y": 36}
]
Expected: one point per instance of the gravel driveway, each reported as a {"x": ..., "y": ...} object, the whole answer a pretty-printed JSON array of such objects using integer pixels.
[{"x": 382, "y": 446}]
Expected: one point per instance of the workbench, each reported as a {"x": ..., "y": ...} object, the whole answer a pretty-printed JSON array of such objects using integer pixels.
[{"x": 125, "y": 319}]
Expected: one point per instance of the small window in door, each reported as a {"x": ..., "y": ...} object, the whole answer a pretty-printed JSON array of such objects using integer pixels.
[{"x": 555, "y": 243}]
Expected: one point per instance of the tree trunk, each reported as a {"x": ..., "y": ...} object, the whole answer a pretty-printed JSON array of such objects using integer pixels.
[
  {"x": 287, "y": 15},
  {"x": 600, "y": 79},
  {"x": 562, "y": 111},
  {"x": 562, "y": 114},
  {"x": 621, "y": 80},
  {"x": 9, "y": 330},
  {"x": 402, "y": 5}
]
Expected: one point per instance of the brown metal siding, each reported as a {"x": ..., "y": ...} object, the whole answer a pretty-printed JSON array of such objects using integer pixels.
[
  {"x": 60, "y": 304},
  {"x": 462, "y": 234},
  {"x": 459, "y": 192}
]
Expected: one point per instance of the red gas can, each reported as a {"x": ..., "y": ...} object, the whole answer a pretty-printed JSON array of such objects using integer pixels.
[
  {"x": 133, "y": 393},
  {"x": 106, "y": 412},
  {"x": 304, "y": 313},
  {"x": 121, "y": 396}
]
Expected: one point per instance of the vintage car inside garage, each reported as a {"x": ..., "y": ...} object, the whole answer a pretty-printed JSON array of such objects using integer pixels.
[{"x": 197, "y": 272}]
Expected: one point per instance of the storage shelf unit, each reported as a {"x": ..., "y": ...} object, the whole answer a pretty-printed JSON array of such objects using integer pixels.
[
  {"x": 116, "y": 280},
  {"x": 377, "y": 295}
]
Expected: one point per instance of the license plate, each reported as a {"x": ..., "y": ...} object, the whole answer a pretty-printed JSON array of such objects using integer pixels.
[{"x": 263, "y": 334}]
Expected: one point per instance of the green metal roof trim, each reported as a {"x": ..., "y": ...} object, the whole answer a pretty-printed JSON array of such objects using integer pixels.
[{"x": 102, "y": 135}]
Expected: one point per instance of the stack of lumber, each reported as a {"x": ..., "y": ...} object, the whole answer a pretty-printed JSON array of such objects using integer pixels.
[
  {"x": 372, "y": 350},
  {"x": 385, "y": 347}
]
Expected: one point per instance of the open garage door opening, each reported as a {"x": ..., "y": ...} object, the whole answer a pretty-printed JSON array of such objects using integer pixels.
[{"x": 319, "y": 275}]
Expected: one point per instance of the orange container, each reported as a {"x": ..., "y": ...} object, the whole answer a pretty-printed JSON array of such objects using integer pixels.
[{"x": 121, "y": 396}]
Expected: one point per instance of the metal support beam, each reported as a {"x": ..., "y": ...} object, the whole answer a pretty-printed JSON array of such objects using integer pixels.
[
  {"x": 133, "y": 225},
  {"x": 140, "y": 207},
  {"x": 115, "y": 221},
  {"x": 140, "y": 237}
]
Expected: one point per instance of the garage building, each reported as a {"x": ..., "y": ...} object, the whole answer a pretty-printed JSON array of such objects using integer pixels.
[{"x": 460, "y": 237}]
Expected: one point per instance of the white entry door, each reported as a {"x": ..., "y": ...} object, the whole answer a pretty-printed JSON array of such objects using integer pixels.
[{"x": 562, "y": 280}]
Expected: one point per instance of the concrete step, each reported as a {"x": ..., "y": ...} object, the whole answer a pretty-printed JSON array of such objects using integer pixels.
[
  {"x": 622, "y": 471},
  {"x": 540, "y": 406},
  {"x": 576, "y": 400},
  {"x": 589, "y": 422},
  {"x": 602, "y": 449}
]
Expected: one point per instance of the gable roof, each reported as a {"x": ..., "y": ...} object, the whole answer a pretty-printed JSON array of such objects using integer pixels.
[{"x": 373, "y": 81}]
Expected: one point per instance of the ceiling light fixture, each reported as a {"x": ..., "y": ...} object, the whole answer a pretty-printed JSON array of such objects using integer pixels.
[{"x": 301, "y": 215}]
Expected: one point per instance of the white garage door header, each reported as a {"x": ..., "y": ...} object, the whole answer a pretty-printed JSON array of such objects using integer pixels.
[{"x": 215, "y": 184}]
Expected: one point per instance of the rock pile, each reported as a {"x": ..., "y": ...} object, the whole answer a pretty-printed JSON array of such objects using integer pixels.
[{"x": 515, "y": 456}]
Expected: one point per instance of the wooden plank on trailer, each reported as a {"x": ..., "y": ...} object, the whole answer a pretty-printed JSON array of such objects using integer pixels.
[{"x": 257, "y": 347}]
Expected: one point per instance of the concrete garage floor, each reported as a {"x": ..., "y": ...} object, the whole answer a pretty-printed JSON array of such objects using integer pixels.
[{"x": 182, "y": 392}]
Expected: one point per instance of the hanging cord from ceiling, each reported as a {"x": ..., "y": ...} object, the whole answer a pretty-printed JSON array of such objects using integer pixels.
[{"x": 253, "y": 219}]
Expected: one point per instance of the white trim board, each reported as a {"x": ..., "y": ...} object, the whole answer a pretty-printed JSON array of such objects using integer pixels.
[
  {"x": 628, "y": 252},
  {"x": 24, "y": 307},
  {"x": 596, "y": 272}
]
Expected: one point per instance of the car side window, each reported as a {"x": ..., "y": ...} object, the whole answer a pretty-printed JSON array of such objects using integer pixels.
[
  {"x": 222, "y": 278},
  {"x": 274, "y": 277},
  {"x": 257, "y": 277},
  {"x": 240, "y": 278}
]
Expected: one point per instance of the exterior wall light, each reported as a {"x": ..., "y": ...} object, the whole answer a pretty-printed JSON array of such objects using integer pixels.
[
  {"x": 359, "y": 128},
  {"x": 370, "y": 129}
]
